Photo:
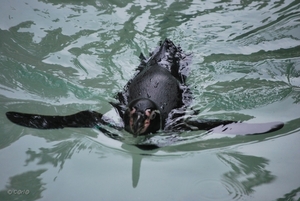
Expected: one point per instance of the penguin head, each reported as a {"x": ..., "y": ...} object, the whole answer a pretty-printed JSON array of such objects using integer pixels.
[{"x": 142, "y": 117}]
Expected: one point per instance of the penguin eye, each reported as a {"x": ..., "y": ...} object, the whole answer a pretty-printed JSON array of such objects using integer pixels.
[
  {"x": 153, "y": 114},
  {"x": 131, "y": 110}
]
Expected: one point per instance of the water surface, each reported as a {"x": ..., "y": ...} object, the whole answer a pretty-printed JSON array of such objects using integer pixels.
[{"x": 61, "y": 57}]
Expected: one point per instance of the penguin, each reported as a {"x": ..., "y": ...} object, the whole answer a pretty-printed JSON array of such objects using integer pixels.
[
  {"x": 155, "y": 91},
  {"x": 156, "y": 98}
]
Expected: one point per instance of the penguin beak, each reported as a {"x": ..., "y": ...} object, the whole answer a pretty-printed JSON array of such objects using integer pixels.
[{"x": 138, "y": 123}]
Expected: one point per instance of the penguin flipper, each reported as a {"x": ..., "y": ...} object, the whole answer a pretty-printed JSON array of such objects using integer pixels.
[
  {"x": 241, "y": 128},
  {"x": 83, "y": 119},
  {"x": 234, "y": 127}
]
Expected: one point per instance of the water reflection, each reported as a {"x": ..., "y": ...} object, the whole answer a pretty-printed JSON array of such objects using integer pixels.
[
  {"x": 63, "y": 150},
  {"x": 26, "y": 186},
  {"x": 58, "y": 154},
  {"x": 293, "y": 195},
  {"x": 247, "y": 173},
  {"x": 136, "y": 169}
]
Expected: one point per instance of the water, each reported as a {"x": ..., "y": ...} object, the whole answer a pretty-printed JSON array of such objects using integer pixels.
[{"x": 61, "y": 57}]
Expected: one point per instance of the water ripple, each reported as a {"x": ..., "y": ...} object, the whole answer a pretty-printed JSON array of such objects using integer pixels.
[{"x": 216, "y": 189}]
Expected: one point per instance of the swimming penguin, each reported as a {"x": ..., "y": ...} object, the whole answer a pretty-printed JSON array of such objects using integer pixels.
[{"x": 156, "y": 98}]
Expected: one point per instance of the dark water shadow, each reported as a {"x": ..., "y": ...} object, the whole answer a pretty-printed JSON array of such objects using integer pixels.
[
  {"x": 24, "y": 186},
  {"x": 248, "y": 172},
  {"x": 293, "y": 195}
]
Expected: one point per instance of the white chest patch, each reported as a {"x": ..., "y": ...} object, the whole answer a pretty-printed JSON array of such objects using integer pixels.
[{"x": 112, "y": 117}]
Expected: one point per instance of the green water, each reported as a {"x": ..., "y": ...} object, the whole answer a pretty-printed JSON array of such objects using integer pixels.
[{"x": 61, "y": 57}]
